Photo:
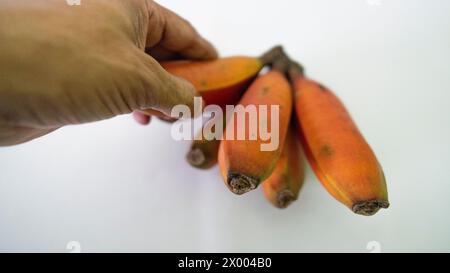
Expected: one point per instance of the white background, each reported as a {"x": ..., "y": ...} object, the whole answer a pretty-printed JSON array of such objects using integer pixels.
[{"x": 117, "y": 186}]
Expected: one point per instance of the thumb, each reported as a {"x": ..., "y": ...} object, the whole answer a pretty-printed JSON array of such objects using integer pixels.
[{"x": 163, "y": 90}]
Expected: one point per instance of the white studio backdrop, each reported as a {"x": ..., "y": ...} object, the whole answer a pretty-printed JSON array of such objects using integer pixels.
[{"x": 118, "y": 186}]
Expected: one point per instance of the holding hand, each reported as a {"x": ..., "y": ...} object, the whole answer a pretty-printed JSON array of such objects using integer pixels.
[{"x": 64, "y": 64}]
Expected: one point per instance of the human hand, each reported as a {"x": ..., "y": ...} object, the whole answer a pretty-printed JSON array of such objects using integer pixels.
[{"x": 65, "y": 64}]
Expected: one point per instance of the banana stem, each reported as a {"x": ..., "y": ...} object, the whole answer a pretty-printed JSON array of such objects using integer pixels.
[
  {"x": 272, "y": 55},
  {"x": 295, "y": 71},
  {"x": 282, "y": 64},
  {"x": 279, "y": 60}
]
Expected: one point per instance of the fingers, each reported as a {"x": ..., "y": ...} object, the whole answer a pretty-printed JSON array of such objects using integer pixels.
[
  {"x": 169, "y": 31},
  {"x": 14, "y": 135},
  {"x": 164, "y": 91},
  {"x": 161, "y": 54},
  {"x": 141, "y": 118}
]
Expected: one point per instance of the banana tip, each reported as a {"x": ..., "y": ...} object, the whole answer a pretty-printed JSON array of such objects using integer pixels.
[
  {"x": 284, "y": 199},
  {"x": 196, "y": 157},
  {"x": 240, "y": 184},
  {"x": 369, "y": 208}
]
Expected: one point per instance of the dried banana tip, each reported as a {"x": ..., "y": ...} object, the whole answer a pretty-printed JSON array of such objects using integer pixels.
[
  {"x": 196, "y": 157},
  {"x": 369, "y": 208},
  {"x": 240, "y": 184},
  {"x": 284, "y": 199}
]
